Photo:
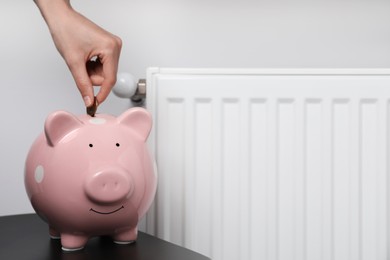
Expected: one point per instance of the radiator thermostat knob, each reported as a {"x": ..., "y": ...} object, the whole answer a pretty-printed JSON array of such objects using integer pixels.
[{"x": 125, "y": 86}]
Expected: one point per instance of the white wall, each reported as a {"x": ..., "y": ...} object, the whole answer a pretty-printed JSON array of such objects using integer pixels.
[{"x": 176, "y": 33}]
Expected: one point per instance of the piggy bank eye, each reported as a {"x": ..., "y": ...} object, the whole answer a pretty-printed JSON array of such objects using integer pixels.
[
  {"x": 91, "y": 145},
  {"x": 117, "y": 144}
]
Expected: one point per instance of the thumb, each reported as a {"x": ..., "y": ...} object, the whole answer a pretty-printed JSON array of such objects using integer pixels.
[{"x": 83, "y": 82}]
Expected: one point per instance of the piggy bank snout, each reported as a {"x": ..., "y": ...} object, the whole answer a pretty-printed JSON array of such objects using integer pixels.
[{"x": 108, "y": 186}]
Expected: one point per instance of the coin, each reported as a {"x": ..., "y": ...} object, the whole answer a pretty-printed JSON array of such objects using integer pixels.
[{"x": 91, "y": 110}]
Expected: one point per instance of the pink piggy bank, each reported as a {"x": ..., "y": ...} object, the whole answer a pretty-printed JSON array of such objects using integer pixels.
[{"x": 91, "y": 176}]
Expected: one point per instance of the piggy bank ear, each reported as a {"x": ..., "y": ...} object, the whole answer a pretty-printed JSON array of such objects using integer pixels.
[
  {"x": 139, "y": 120},
  {"x": 59, "y": 124}
]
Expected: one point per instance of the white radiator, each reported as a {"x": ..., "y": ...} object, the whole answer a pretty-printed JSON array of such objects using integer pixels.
[{"x": 272, "y": 164}]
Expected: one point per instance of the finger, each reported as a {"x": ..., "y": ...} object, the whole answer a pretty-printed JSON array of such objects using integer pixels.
[
  {"x": 103, "y": 93},
  {"x": 95, "y": 71},
  {"x": 96, "y": 80},
  {"x": 83, "y": 82},
  {"x": 109, "y": 71}
]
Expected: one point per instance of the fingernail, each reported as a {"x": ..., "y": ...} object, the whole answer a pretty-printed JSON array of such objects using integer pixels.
[{"x": 87, "y": 101}]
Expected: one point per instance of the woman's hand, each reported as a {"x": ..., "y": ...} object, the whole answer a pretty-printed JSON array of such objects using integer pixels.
[{"x": 91, "y": 53}]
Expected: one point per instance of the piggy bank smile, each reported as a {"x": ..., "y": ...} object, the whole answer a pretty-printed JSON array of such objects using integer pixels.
[{"x": 107, "y": 213}]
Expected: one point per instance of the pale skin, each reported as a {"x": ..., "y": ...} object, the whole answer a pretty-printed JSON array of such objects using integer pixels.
[{"x": 79, "y": 40}]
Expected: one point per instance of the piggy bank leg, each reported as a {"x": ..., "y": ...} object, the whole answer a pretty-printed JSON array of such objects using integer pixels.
[
  {"x": 54, "y": 234},
  {"x": 71, "y": 242},
  {"x": 127, "y": 236}
]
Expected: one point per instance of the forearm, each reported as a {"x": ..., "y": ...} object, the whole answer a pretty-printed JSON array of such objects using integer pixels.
[
  {"x": 53, "y": 10},
  {"x": 46, "y": 5}
]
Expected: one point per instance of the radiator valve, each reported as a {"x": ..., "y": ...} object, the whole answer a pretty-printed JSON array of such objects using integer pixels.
[{"x": 126, "y": 87}]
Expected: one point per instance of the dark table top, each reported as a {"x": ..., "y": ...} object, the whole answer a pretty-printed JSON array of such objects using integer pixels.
[{"x": 26, "y": 237}]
